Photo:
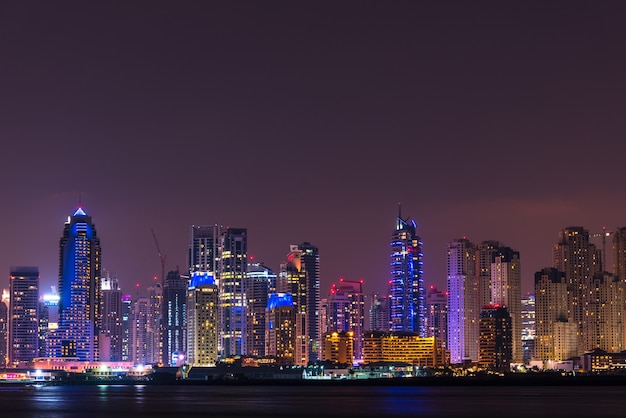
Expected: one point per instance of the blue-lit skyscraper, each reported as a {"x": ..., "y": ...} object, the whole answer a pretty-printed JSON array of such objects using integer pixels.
[
  {"x": 79, "y": 291},
  {"x": 406, "y": 287},
  {"x": 174, "y": 318}
]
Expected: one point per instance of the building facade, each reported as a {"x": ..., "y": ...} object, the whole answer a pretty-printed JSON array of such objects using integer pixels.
[
  {"x": 23, "y": 314},
  {"x": 346, "y": 307},
  {"x": 407, "y": 295},
  {"x": 202, "y": 320},
  {"x": 496, "y": 345}
]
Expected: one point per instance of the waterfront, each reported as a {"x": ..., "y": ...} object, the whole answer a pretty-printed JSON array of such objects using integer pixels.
[{"x": 321, "y": 401}]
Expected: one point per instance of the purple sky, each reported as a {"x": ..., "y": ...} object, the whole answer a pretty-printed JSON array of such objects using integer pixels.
[{"x": 309, "y": 121}]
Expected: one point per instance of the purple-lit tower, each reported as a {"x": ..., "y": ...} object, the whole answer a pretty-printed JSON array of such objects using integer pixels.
[{"x": 406, "y": 288}]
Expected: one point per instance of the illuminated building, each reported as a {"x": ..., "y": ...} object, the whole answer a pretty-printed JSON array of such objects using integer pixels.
[
  {"x": 202, "y": 320},
  {"x": 4, "y": 334},
  {"x": 380, "y": 316},
  {"x": 407, "y": 347},
  {"x": 338, "y": 347},
  {"x": 619, "y": 253},
  {"x": 139, "y": 331},
  {"x": 437, "y": 314},
  {"x": 127, "y": 322},
  {"x": 346, "y": 312},
  {"x": 260, "y": 282},
  {"x": 79, "y": 290},
  {"x": 292, "y": 279},
  {"x": 281, "y": 328},
  {"x": 48, "y": 319},
  {"x": 111, "y": 332},
  {"x": 463, "y": 297},
  {"x": 311, "y": 264},
  {"x": 154, "y": 331},
  {"x": 603, "y": 327},
  {"x": 231, "y": 278},
  {"x": 528, "y": 328},
  {"x": 407, "y": 296},
  {"x": 23, "y": 314},
  {"x": 551, "y": 308},
  {"x": 174, "y": 318},
  {"x": 506, "y": 291},
  {"x": 485, "y": 253},
  {"x": 204, "y": 249},
  {"x": 574, "y": 255},
  {"x": 496, "y": 346}
]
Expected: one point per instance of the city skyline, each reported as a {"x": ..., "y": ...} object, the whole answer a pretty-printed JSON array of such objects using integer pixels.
[{"x": 309, "y": 123}]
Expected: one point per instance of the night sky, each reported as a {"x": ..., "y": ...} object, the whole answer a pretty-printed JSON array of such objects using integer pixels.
[{"x": 309, "y": 121}]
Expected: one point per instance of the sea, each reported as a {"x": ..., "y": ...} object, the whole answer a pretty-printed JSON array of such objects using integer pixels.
[{"x": 312, "y": 401}]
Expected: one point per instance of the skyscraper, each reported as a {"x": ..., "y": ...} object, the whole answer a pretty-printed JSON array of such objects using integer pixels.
[
  {"x": 572, "y": 254},
  {"x": 24, "y": 315},
  {"x": 260, "y": 282},
  {"x": 528, "y": 327},
  {"x": 346, "y": 305},
  {"x": 79, "y": 290},
  {"x": 495, "y": 338},
  {"x": 127, "y": 328},
  {"x": 506, "y": 291},
  {"x": 202, "y": 320},
  {"x": 174, "y": 318},
  {"x": 463, "y": 298},
  {"x": 232, "y": 275},
  {"x": 311, "y": 261},
  {"x": 111, "y": 333},
  {"x": 551, "y": 316},
  {"x": 380, "y": 317},
  {"x": 281, "y": 328},
  {"x": 407, "y": 296},
  {"x": 292, "y": 280},
  {"x": 619, "y": 253},
  {"x": 603, "y": 325},
  {"x": 437, "y": 315},
  {"x": 4, "y": 334}
]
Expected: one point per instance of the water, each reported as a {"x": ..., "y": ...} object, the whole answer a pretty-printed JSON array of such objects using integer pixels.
[{"x": 318, "y": 401}]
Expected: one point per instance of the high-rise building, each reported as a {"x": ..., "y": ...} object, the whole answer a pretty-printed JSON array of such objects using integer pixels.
[
  {"x": 573, "y": 255},
  {"x": 506, "y": 285},
  {"x": 551, "y": 314},
  {"x": 111, "y": 332},
  {"x": 311, "y": 262},
  {"x": 281, "y": 328},
  {"x": 407, "y": 295},
  {"x": 380, "y": 316},
  {"x": 154, "y": 324},
  {"x": 48, "y": 319},
  {"x": 204, "y": 249},
  {"x": 174, "y": 318},
  {"x": 406, "y": 347},
  {"x": 292, "y": 280},
  {"x": 127, "y": 328},
  {"x": 139, "y": 334},
  {"x": 4, "y": 334},
  {"x": 260, "y": 282},
  {"x": 603, "y": 326},
  {"x": 80, "y": 266},
  {"x": 23, "y": 314},
  {"x": 232, "y": 275},
  {"x": 202, "y": 320},
  {"x": 485, "y": 253},
  {"x": 528, "y": 328},
  {"x": 463, "y": 297},
  {"x": 346, "y": 307},
  {"x": 437, "y": 314},
  {"x": 496, "y": 347},
  {"x": 619, "y": 253}
]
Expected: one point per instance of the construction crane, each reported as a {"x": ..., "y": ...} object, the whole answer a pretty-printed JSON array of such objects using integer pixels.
[{"x": 162, "y": 256}]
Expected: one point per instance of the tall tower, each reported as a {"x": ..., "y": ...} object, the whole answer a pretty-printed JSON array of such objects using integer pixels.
[
  {"x": 407, "y": 296},
  {"x": 506, "y": 290},
  {"x": 281, "y": 329},
  {"x": 346, "y": 305},
  {"x": 311, "y": 261},
  {"x": 437, "y": 315},
  {"x": 573, "y": 254},
  {"x": 127, "y": 328},
  {"x": 292, "y": 280},
  {"x": 380, "y": 318},
  {"x": 603, "y": 326},
  {"x": 495, "y": 338},
  {"x": 4, "y": 334},
  {"x": 463, "y": 299},
  {"x": 232, "y": 294},
  {"x": 260, "y": 282},
  {"x": 619, "y": 253},
  {"x": 80, "y": 314},
  {"x": 174, "y": 318},
  {"x": 485, "y": 252},
  {"x": 111, "y": 346},
  {"x": 202, "y": 320},
  {"x": 23, "y": 315}
]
